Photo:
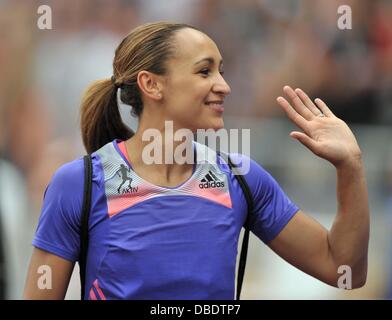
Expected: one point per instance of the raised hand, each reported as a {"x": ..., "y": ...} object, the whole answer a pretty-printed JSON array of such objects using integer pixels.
[{"x": 324, "y": 134}]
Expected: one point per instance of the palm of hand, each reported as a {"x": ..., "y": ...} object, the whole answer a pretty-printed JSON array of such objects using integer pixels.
[{"x": 327, "y": 136}]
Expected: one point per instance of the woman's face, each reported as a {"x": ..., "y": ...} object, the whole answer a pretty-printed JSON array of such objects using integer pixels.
[{"x": 194, "y": 89}]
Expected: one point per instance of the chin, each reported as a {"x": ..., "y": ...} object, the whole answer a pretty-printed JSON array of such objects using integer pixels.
[
  {"x": 219, "y": 124},
  {"x": 212, "y": 123},
  {"x": 215, "y": 125}
]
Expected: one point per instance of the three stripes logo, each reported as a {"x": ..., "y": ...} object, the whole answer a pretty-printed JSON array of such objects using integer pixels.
[{"x": 211, "y": 181}]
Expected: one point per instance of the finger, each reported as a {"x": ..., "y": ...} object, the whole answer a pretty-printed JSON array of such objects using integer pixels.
[
  {"x": 297, "y": 103},
  {"x": 292, "y": 113},
  {"x": 307, "y": 101},
  {"x": 324, "y": 108},
  {"x": 305, "y": 140}
]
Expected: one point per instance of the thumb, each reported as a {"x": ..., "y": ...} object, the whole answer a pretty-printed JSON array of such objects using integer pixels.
[{"x": 304, "y": 139}]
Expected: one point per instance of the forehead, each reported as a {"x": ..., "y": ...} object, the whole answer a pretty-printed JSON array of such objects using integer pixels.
[{"x": 192, "y": 45}]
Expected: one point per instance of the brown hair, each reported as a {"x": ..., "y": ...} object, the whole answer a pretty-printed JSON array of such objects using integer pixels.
[{"x": 147, "y": 47}]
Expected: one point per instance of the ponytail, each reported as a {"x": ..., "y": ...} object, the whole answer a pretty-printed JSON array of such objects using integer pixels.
[{"x": 100, "y": 118}]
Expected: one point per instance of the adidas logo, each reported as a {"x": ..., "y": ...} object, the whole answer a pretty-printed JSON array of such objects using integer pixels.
[{"x": 211, "y": 181}]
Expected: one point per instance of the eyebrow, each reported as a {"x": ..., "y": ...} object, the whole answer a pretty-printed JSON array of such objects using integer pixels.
[{"x": 209, "y": 60}]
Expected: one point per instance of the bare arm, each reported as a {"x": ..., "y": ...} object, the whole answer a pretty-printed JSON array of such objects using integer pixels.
[
  {"x": 304, "y": 242},
  {"x": 48, "y": 276}
]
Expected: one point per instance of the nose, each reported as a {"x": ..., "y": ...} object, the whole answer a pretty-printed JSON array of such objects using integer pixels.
[{"x": 221, "y": 86}]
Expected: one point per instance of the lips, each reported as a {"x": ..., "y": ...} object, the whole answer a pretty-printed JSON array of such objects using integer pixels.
[{"x": 215, "y": 105}]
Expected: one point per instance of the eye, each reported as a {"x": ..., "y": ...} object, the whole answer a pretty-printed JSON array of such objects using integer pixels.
[{"x": 205, "y": 72}]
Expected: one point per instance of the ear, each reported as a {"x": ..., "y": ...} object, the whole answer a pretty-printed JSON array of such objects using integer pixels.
[{"x": 150, "y": 85}]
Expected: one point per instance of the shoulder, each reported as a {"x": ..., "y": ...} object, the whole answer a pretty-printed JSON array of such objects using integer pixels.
[
  {"x": 59, "y": 222},
  {"x": 69, "y": 175},
  {"x": 63, "y": 197},
  {"x": 66, "y": 186},
  {"x": 260, "y": 181},
  {"x": 249, "y": 168}
]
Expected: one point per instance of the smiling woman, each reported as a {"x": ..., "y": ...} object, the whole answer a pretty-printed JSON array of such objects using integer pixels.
[{"x": 171, "y": 230}]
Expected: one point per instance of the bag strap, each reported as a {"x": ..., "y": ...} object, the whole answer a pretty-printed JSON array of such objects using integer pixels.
[
  {"x": 245, "y": 241},
  {"x": 84, "y": 238}
]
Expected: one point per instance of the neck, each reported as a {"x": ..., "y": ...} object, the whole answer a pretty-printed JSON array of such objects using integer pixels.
[{"x": 160, "y": 148}]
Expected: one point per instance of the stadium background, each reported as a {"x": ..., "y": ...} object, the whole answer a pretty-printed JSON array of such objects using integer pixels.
[{"x": 265, "y": 44}]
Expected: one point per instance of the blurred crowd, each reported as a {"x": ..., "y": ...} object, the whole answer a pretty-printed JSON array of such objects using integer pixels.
[{"x": 265, "y": 44}]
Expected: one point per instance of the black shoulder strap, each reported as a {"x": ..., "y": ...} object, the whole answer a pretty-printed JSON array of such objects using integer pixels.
[
  {"x": 84, "y": 223},
  {"x": 244, "y": 249}
]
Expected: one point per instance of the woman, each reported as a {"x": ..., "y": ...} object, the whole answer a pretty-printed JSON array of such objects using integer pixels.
[{"x": 154, "y": 232}]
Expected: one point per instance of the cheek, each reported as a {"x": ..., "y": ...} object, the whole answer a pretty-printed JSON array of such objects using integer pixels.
[
  {"x": 190, "y": 96},
  {"x": 186, "y": 104}
]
